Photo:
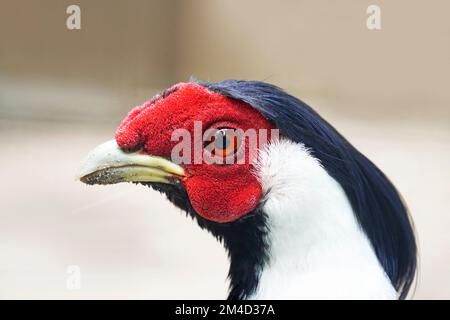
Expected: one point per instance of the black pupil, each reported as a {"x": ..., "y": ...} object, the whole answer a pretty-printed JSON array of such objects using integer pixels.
[{"x": 221, "y": 140}]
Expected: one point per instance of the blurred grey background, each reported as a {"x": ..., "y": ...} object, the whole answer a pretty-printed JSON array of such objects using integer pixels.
[{"x": 63, "y": 91}]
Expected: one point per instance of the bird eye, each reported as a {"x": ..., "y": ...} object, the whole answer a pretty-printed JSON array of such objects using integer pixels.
[{"x": 223, "y": 142}]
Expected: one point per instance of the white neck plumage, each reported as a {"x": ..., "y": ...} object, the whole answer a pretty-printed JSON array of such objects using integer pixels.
[{"x": 316, "y": 248}]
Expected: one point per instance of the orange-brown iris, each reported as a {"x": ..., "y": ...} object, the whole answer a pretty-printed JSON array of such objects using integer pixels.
[{"x": 223, "y": 143}]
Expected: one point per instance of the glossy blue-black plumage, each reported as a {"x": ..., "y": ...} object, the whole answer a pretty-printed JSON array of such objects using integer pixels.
[{"x": 376, "y": 203}]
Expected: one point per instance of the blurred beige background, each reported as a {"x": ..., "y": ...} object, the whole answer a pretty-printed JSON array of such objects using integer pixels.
[{"x": 64, "y": 91}]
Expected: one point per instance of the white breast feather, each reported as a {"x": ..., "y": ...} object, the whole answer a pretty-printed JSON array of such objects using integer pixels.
[{"x": 317, "y": 249}]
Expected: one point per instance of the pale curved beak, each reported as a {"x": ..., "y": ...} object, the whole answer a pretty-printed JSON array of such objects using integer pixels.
[{"x": 108, "y": 164}]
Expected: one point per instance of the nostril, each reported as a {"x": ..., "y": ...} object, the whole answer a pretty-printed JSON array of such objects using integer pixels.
[{"x": 134, "y": 149}]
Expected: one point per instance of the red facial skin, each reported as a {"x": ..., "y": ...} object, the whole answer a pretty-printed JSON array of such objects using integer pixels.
[{"x": 221, "y": 193}]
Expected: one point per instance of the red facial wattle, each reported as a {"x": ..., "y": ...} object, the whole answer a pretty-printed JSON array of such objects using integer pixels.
[{"x": 221, "y": 193}]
